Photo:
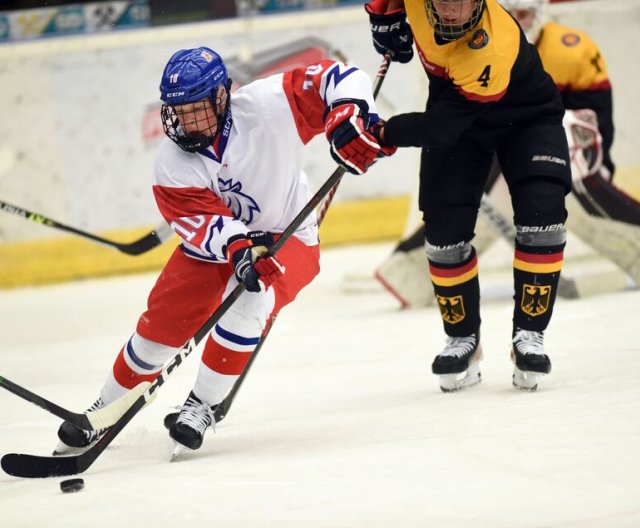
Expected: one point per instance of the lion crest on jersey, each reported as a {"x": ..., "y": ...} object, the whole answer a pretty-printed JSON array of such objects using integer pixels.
[{"x": 242, "y": 205}]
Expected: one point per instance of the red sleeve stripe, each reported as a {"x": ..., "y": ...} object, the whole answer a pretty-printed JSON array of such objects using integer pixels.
[
  {"x": 602, "y": 86},
  {"x": 237, "y": 245},
  {"x": 482, "y": 98}
]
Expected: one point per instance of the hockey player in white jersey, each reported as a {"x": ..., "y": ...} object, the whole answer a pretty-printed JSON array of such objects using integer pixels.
[{"x": 228, "y": 179}]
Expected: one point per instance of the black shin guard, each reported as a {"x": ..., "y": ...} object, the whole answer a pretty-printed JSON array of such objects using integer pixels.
[{"x": 457, "y": 291}]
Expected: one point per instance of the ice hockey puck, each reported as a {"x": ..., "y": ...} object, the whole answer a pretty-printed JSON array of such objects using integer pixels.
[{"x": 71, "y": 485}]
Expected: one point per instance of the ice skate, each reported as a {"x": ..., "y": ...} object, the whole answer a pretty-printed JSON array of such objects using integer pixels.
[
  {"x": 189, "y": 425},
  {"x": 75, "y": 440},
  {"x": 531, "y": 363},
  {"x": 458, "y": 365}
]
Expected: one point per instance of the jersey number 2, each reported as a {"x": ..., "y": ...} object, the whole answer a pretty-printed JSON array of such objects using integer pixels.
[{"x": 485, "y": 76}]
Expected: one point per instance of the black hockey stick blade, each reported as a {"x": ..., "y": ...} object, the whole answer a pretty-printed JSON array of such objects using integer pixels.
[
  {"x": 149, "y": 241},
  {"x": 34, "y": 466},
  {"x": 79, "y": 419}
]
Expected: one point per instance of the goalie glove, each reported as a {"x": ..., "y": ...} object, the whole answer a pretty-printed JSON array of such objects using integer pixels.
[
  {"x": 352, "y": 146},
  {"x": 390, "y": 31},
  {"x": 252, "y": 264},
  {"x": 585, "y": 142}
]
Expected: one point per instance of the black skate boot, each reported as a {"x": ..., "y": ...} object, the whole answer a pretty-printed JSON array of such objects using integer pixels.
[
  {"x": 190, "y": 424},
  {"x": 458, "y": 365},
  {"x": 73, "y": 439},
  {"x": 531, "y": 363}
]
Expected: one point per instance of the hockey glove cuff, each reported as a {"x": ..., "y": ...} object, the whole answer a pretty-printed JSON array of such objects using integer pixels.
[
  {"x": 352, "y": 146},
  {"x": 390, "y": 31},
  {"x": 252, "y": 264}
]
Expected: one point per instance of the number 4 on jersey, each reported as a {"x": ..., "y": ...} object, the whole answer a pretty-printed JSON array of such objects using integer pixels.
[{"x": 485, "y": 76}]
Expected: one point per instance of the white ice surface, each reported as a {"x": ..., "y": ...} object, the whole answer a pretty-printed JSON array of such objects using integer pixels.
[{"x": 340, "y": 423}]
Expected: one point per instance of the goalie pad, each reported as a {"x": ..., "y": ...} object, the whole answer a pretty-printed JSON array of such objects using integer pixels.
[
  {"x": 617, "y": 241},
  {"x": 405, "y": 273},
  {"x": 601, "y": 215}
]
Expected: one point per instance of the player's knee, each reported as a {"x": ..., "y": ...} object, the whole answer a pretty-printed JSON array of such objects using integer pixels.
[
  {"x": 149, "y": 352},
  {"x": 448, "y": 254},
  {"x": 448, "y": 232},
  {"x": 539, "y": 202},
  {"x": 539, "y": 212},
  {"x": 248, "y": 316}
]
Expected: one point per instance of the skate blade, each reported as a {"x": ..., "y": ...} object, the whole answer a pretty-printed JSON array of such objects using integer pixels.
[
  {"x": 461, "y": 380},
  {"x": 178, "y": 451},
  {"x": 526, "y": 380}
]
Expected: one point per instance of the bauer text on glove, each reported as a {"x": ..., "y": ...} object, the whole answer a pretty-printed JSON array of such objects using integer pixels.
[
  {"x": 252, "y": 264},
  {"x": 390, "y": 31},
  {"x": 352, "y": 147}
]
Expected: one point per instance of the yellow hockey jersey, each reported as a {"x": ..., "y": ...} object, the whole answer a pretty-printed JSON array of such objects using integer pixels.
[
  {"x": 572, "y": 59},
  {"x": 489, "y": 79},
  {"x": 579, "y": 70}
]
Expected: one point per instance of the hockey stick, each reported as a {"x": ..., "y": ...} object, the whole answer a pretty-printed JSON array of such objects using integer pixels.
[
  {"x": 32, "y": 466},
  {"x": 149, "y": 241},
  {"x": 223, "y": 407},
  {"x": 108, "y": 415},
  {"x": 29, "y": 466}
]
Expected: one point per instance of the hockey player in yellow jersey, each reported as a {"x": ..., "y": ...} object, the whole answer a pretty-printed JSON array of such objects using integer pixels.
[
  {"x": 488, "y": 95},
  {"x": 578, "y": 67}
]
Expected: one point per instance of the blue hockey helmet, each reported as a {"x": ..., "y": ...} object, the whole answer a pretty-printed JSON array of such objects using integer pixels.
[{"x": 193, "y": 75}]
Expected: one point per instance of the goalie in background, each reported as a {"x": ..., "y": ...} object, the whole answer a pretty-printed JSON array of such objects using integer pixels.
[
  {"x": 600, "y": 213},
  {"x": 228, "y": 179}
]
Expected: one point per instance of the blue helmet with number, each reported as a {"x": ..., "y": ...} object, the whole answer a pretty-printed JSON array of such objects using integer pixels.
[{"x": 193, "y": 75}]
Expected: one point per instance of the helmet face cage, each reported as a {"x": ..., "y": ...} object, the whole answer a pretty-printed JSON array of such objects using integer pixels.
[
  {"x": 195, "y": 90},
  {"x": 449, "y": 31},
  {"x": 205, "y": 115}
]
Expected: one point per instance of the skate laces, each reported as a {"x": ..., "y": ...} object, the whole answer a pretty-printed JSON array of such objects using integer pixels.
[
  {"x": 197, "y": 415},
  {"x": 528, "y": 341},
  {"x": 92, "y": 436},
  {"x": 460, "y": 346}
]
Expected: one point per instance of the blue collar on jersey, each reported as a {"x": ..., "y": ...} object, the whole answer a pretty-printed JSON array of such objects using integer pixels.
[{"x": 220, "y": 143}]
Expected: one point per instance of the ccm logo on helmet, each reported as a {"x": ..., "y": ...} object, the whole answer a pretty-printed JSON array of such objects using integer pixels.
[{"x": 175, "y": 94}]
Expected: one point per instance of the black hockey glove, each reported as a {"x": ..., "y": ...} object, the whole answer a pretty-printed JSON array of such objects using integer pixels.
[
  {"x": 390, "y": 31},
  {"x": 252, "y": 264}
]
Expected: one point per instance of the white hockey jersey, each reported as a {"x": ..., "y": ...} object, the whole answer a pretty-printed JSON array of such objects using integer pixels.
[{"x": 251, "y": 178}]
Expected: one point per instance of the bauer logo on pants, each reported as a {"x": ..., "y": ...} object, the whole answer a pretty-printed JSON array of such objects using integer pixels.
[
  {"x": 535, "y": 299},
  {"x": 451, "y": 308}
]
